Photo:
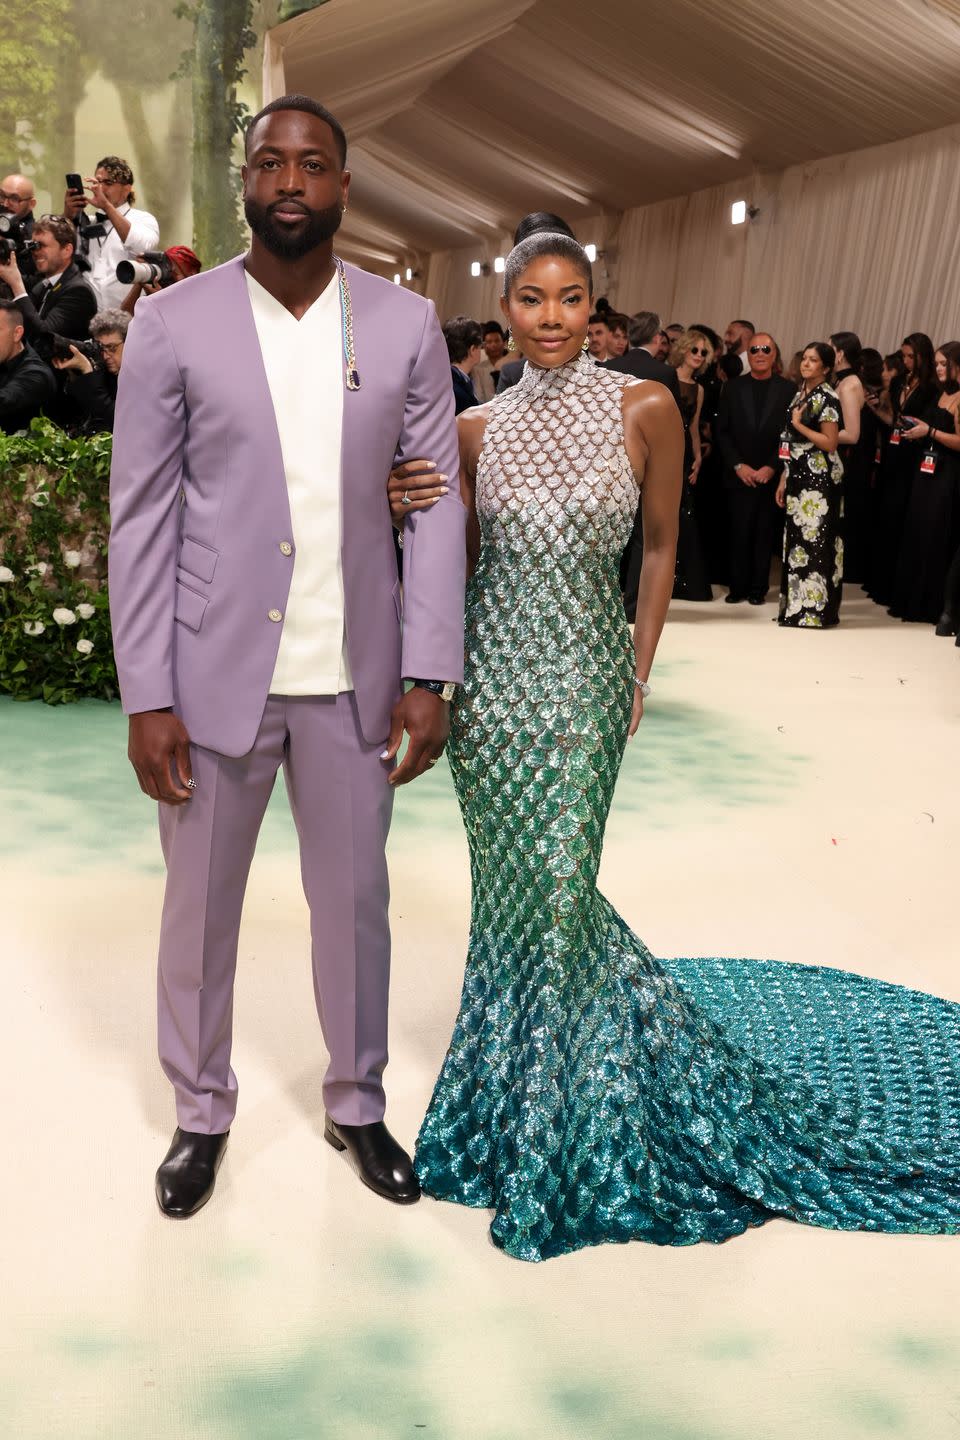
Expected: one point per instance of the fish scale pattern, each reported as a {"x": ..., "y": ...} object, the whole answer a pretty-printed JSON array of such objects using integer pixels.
[{"x": 591, "y": 1091}]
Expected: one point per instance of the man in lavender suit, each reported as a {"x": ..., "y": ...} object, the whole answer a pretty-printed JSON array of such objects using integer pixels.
[{"x": 257, "y": 621}]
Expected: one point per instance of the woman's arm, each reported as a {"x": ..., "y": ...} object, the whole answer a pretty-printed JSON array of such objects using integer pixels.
[
  {"x": 826, "y": 438},
  {"x": 949, "y": 439},
  {"x": 654, "y": 440},
  {"x": 851, "y": 396},
  {"x": 470, "y": 427}
]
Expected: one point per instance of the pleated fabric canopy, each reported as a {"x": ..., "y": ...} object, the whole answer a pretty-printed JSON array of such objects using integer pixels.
[{"x": 463, "y": 117}]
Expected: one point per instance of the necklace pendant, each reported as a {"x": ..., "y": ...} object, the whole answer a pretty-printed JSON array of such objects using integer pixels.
[{"x": 353, "y": 380}]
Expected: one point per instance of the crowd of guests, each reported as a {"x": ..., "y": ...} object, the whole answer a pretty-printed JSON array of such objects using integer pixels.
[
  {"x": 67, "y": 297},
  {"x": 844, "y": 463}
]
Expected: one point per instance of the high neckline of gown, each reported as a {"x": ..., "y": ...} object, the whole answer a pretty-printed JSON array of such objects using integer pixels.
[{"x": 539, "y": 379}]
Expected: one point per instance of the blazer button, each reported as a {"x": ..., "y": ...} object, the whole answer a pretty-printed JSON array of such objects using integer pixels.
[
  {"x": 274, "y": 615},
  {"x": 285, "y": 547}
]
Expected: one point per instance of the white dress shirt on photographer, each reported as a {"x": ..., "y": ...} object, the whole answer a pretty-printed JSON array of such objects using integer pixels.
[{"x": 105, "y": 255}]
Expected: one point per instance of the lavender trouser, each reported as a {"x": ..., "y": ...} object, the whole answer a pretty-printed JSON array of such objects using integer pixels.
[{"x": 341, "y": 803}]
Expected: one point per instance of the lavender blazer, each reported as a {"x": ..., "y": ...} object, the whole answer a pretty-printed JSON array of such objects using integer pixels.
[{"x": 199, "y": 509}]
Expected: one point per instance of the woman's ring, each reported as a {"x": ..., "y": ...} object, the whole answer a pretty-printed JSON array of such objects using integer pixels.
[{"x": 405, "y": 499}]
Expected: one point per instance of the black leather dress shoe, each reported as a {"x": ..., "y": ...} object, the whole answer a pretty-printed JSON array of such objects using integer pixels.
[
  {"x": 188, "y": 1174},
  {"x": 757, "y": 597},
  {"x": 733, "y": 599},
  {"x": 946, "y": 625},
  {"x": 382, "y": 1164}
]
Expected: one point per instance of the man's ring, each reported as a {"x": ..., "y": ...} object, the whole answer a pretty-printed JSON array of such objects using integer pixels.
[
  {"x": 191, "y": 784},
  {"x": 430, "y": 764},
  {"x": 405, "y": 499}
]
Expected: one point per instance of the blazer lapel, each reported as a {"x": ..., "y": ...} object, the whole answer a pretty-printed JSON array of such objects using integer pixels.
[{"x": 240, "y": 341}]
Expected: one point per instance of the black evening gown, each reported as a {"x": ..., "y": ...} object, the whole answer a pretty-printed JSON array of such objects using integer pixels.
[
  {"x": 926, "y": 548},
  {"x": 690, "y": 581},
  {"x": 895, "y": 483}
]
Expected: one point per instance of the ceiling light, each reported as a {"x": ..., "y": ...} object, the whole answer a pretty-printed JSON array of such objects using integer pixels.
[
  {"x": 500, "y": 264},
  {"x": 591, "y": 252},
  {"x": 409, "y": 273},
  {"x": 738, "y": 212},
  {"x": 475, "y": 269},
  {"x": 396, "y": 278}
]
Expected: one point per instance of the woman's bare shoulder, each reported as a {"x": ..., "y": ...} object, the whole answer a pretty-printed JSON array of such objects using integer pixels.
[
  {"x": 470, "y": 427},
  {"x": 649, "y": 401}
]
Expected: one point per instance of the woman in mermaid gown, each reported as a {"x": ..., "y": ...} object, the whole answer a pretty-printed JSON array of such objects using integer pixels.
[{"x": 593, "y": 1092}]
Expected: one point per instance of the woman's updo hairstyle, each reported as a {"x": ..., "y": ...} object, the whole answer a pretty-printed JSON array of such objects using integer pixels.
[
  {"x": 827, "y": 354},
  {"x": 537, "y": 247}
]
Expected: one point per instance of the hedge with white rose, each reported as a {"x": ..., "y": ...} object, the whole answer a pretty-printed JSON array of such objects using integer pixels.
[{"x": 54, "y": 523}]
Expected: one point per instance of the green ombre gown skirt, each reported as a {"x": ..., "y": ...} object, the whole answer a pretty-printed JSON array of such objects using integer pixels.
[{"x": 593, "y": 1092}]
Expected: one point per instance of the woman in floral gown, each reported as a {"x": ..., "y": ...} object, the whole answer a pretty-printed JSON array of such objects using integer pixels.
[
  {"x": 593, "y": 1092},
  {"x": 811, "y": 490}
]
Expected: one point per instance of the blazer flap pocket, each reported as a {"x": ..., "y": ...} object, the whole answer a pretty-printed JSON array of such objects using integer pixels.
[
  {"x": 198, "y": 559},
  {"x": 189, "y": 607}
]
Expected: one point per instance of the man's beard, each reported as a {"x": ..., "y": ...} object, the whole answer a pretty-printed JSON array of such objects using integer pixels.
[{"x": 287, "y": 244}]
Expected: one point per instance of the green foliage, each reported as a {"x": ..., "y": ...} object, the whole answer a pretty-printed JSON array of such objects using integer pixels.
[
  {"x": 223, "y": 34},
  {"x": 289, "y": 9},
  {"x": 54, "y": 527},
  {"x": 29, "y": 40}
]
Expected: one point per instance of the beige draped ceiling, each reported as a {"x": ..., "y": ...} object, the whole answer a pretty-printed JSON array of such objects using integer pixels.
[{"x": 640, "y": 121}]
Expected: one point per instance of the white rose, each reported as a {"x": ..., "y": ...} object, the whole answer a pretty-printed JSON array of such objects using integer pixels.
[
  {"x": 6, "y": 575},
  {"x": 40, "y": 568},
  {"x": 86, "y": 612},
  {"x": 34, "y": 627},
  {"x": 63, "y": 616},
  {"x": 41, "y": 498},
  {"x": 71, "y": 558},
  {"x": 84, "y": 646}
]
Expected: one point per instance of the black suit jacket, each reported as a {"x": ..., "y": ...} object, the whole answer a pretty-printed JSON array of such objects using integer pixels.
[
  {"x": 65, "y": 308},
  {"x": 464, "y": 395},
  {"x": 643, "y": 365},
  {"x": 28, "y": 388},
  {"x": 739, "y": 437}
]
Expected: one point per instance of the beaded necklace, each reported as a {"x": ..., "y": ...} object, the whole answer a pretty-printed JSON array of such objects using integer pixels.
[{"x": 346, "y": 321}]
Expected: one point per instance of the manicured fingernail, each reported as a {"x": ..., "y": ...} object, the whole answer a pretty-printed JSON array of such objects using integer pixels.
[
  {"x": 443, "y": 477},
  {"x": 444, "y": 489},
  {"x": 385, "y": 755}
]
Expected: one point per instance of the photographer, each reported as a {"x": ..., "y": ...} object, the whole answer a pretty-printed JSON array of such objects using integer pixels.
[
  {"x": 27, "y": 386},
  {"x": 122, "y": 233},
  {"x": 91, "y": 390},
  {"x": 62, "y": 303},
  {"x": 17, "y": 199},
  {"x": 177, "y": 263}
]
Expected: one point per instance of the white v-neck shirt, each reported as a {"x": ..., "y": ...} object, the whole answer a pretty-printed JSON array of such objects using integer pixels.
[{"x": 304, "y": 364}]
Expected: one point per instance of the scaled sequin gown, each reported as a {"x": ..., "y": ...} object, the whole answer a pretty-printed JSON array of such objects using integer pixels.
[{"x": 592, "y": 1092}]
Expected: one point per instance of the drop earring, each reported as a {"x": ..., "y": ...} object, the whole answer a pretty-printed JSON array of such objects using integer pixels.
[{"x": 511, "y": 343}]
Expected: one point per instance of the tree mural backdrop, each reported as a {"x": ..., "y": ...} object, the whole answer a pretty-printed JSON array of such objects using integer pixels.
[{"x": 52, "y": 53}]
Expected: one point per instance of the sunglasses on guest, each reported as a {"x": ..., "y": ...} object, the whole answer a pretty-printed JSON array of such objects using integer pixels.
[
  {"x": 696, "y": 350},
  {"x": 761, "y": 349}
]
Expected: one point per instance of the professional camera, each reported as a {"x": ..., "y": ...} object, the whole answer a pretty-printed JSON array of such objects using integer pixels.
[
  {"x": 57, "y": 347},
  {"x": 95, "y": 229},
  {"x": 154, "y": 269},
  {"x": 12, "y": 241}
]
